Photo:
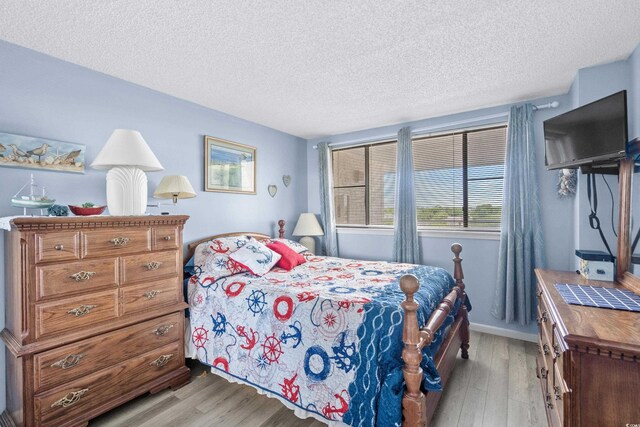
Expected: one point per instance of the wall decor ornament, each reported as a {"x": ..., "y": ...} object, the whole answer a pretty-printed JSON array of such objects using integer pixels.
[
  {"x": 272, "y": 189},
  {"x": 567, "y": 182},
  {"x": 229, "y": 167},
  {"x": 21, "y": 151},
  {"x": 286, "y": 180}
]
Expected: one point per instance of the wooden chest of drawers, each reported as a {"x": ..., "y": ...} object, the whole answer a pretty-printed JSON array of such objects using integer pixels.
[
  {"x": 589, "y": 358},
  {"x": 94, "y": 314}
]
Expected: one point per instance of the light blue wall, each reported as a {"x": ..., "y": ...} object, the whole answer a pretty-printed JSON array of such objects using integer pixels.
[
  {"x": 45, "y": 97},
  {"x": 591, "y": 84},
  {"x": 565, "y": 222},
  {"x": 480, "y": 256}
]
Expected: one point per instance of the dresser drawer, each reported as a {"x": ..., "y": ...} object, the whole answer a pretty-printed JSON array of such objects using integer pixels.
[
  {"x": 83, "y": 276},
  {"x": 148, "y": 296},
  {"x": 74, "y": 399},
  {"x": 78, "y": 312},
  {"x": 166, "y": 238},
  {"x": 145, "y": 267},
  {"x": 109, "y": 242},
  {"x": 60, "y": 246},
  {"x": 64, "y": 364}
]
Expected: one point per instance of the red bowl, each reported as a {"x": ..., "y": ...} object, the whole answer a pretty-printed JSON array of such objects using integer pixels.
[{"x": 79, "y": 210}]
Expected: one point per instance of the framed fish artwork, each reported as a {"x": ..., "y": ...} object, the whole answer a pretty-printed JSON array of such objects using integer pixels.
[{"x": 19, "y": 151}]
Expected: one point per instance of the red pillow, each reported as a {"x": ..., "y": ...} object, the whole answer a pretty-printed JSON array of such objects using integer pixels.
[{"x": 289, "y": 257}]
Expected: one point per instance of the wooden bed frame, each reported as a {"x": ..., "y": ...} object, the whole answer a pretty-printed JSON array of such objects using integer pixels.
[{"x": 417, "y": 406}]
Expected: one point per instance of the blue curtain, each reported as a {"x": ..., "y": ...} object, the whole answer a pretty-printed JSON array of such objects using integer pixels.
[
  {"x": 327, "y": 213},
  {"x": 521, "y": 241},
  {"x": 406, "y": 247}
]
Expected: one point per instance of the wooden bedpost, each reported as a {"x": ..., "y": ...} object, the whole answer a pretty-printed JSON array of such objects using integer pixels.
[
  {"x": 458, "y": 275},
  {"x": 413, "y": 405},
  {"x": 281, "y": 231}
]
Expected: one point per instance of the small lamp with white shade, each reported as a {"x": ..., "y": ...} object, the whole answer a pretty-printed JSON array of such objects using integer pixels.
[
  {"x": 174, "y": 187},
  {"x": 127, "y": 157},
  {"x": 308, "y": 227}
]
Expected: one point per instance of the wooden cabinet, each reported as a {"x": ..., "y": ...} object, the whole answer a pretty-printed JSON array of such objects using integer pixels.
[
  {"x": 94, "y": 314},
  {"x": 589, "y": 358}
]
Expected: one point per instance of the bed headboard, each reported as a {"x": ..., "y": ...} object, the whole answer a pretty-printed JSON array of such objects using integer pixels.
[{"x": 191, "y": 247}]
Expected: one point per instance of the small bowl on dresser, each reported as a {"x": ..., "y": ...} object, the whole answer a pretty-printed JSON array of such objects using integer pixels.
[{"x": 80, "y": 211}]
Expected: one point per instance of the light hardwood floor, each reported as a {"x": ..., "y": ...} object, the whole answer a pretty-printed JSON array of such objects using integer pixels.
[{"x": 496, "y": 387}]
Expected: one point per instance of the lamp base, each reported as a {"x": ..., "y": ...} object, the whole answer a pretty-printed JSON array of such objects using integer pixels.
[
  {"x": 126, "y": 191},
  {"x": 309, "y": 243}
]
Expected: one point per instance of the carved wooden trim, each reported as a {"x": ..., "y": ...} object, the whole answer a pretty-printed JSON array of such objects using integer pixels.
[
  {"x": 606, "y": 353},
  {"x": 71, "y": 223}
]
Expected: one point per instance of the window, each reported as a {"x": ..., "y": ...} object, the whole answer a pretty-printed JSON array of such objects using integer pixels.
[{"x": 458, "y": 177}]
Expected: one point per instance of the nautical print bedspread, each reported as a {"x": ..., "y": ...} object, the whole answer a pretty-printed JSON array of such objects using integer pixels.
[{"x": 325, "y": 337}]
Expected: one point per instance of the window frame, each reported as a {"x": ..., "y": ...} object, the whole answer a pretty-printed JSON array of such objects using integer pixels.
[{"x": 427, "y": 230}]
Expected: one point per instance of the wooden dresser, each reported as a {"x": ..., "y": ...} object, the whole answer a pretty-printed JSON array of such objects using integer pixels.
[
  {"x": 589, "y": 360},
  {"x": 94, "y": 314}
]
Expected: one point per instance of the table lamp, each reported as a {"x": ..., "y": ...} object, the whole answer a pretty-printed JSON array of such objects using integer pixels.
[
  {"x": 127, "y": 156},
  {"x": 308, "y": 226},
  {"x": 174, "y": 187}
]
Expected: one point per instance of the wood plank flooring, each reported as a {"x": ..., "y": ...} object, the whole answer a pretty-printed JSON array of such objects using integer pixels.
[{"x": 496, "y": 387}]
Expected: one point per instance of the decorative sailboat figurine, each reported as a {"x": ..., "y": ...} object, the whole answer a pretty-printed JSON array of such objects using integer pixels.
[{"x": 31, "y": 201}]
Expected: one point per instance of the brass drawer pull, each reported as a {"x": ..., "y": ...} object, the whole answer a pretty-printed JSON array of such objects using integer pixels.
[
  {"x": 81, "y": 276},
  {"x": 70, "y": 398},
  {"x": 82, "y": 310},
  {"x": 543, "y": 372},
  {"x": 549, "y": 401},
  {"x": 68, "y": 362},
  {"x": 161, "y": 330},
  {"x": 557, "y": 392},
  {"x": 120, "y": 241},
  {"x": 153, "y": 265},
  {"x": 162, "y": 360},
  {"x": 543, "y": 318},
  {"x": 556, "y": 350},
  {"x": 151, "y": 294},
  {"x": 545, "y": 349},
  {"x": 167, "y": 238},
  {"x": 58, "y": 247}
]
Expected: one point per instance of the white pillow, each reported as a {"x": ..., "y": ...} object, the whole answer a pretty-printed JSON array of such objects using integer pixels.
[{"x": 256, "y": 257}]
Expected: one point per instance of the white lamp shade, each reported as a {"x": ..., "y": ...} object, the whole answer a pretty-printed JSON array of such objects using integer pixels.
[
  {"x": 126, "y": 148},
  {"x": 308, "y": 226},
  {"x": 174, "y": 187}
]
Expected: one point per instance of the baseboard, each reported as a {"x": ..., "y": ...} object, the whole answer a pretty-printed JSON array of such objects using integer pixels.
[{"x": 503, "y": 332}]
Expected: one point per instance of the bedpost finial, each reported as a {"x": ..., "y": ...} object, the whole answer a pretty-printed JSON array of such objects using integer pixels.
[
  {"x": 456, "y": 248},
  {"x": 409, "y": 284},
  {"x": 281, "y": 230}
]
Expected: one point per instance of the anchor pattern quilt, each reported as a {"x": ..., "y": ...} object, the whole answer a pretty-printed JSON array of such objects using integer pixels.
[{"x": 325, "y": 338}]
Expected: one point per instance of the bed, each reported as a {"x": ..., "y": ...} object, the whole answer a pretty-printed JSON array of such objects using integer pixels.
[{"x": 335, "y": 339}]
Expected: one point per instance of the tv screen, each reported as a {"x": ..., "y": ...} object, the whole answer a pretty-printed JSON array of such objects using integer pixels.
[{"x": 592, "y": 134}]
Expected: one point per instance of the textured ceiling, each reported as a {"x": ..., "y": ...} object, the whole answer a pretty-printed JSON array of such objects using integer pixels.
[{"x": 313, "y": 68}]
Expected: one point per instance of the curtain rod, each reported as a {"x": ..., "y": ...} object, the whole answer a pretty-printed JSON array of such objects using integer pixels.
[{"x": 423, "y": 130}]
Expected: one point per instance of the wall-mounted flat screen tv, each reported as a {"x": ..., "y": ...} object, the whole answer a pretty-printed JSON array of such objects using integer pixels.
[{"x": 594, "y": 134}]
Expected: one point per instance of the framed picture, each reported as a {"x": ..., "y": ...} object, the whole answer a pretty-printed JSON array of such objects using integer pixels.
[
  {"x": 229, "y": 167},
  {"x": 18, "y": 151}
]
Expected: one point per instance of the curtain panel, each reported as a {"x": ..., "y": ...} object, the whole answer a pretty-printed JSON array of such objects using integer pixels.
[
  {"x": 327, "y": 213},
  {"x": 521, "y": 240},
  {"x": 406, "y": 247}
]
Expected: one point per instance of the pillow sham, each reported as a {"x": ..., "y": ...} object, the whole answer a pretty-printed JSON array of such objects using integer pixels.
[
  {"x": 255, "y": 257},
  {"x": 295, "y": 246},
  {"x": 213, "y": 257},
  {"x": 289, "y": 257}
]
